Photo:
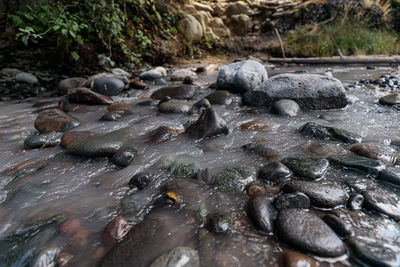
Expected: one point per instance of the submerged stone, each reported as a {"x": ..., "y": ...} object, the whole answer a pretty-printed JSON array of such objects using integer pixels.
[
  {"x": 390, "y": 100},
  {"x": 161, "y": 134},
  {"x": 235, "y": 178},
  {"x": 292, "y": 258},
  {"x": 220, "y": 222},
  {"x": 256, "y": 125},
  {"x": 292, "y": 201},
  {"x": 321, "y": 195},
  {"x": 286, "y": 107},
  {"x": 390, "y": 176},
  {"x": 140, "y": 180},
  {"x": 263, "y": 213},
  {"x": 88, "y": 97},
  {"x": 174, "y": 106},
  {"x": 124, "y": 156},
  {"x": 54, "y": 120},
  {"x": 182, "y": 92},
  {"x": 220, "y": 97},
  {"x": 44, "y": 140},
  {"x": 329, "y": 133},
  {"x": 181, "y": 166},
  {"x": 209, "y": 124},
  {"x": 179, "y": 256},
  {"x": 375, "y": 151},
  {"x": 275, "y": 172},
  {"x": 341, "y": 228},
  {"x": 308, "y": 168},
  {"x": 305, "y": 231},
  {"x": 383, "y": 201},
  {"x": 261, "y": 148},
  {"x": 357, "y": 162}
]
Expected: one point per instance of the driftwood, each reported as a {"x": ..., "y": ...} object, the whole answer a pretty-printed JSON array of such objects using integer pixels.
[{"x": 357, "y": 60}]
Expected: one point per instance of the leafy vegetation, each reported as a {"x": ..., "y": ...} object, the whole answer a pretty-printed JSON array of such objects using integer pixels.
[{"x": 113, "y": 25}]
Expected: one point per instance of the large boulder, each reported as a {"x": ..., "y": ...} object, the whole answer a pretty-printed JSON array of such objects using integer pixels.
[
  {"x": 310, "y": 91},
  {"x": 190, "y": 28},
  {"x": 241, "y": 76}
]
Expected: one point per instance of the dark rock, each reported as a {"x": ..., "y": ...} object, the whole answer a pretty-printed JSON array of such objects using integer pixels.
[
  {"x": 161, "y": 134},
  {"x": 70, "y": 137},
  {"x": 181, "y": 166},
  {"x": 182, "y": 92},
  {"x": 321, "y": 195},
  {"x": 355, "y": 201},
  {"x": 292, "y": 201},
  {"x": 174, "y": 106},
  {"x": 116, "y": 230},
  {"x": 69, "y": 85},
  {"x": 329, "y": 133},
  {"x": 124, "y": 156},
  {"x": 88, "y": 97},
  {"x": 390, "y": 100},
  {"x": 165, "y": 228},
  {"x": 390, "y": 176},
  {"x": 140, "y": 180},
  {"x": 340, "y": 228},
  {"x": 375, "y": 151},
  {"x": 235, "y": 178},
  {"x": 286, "y": 107},
  {"x": 220, "y": 222},
  {"x": 101, "y": 145},
  {"x": 359, "y": 163},
  {"x": 209, "y": 124},
  {"x": 115, "y": 115},
  {"x": 54, "y": 120},
  {"x": 109, "y": 86},
  {"x": 242, "y": 76},
  {"x": 308, "y": 168},
  {"x": 255, "y": 190},
  {"x": 47, "y": 257},
  {"x": 44, "y": 140},
  {"x": 220, "y": 97},
  {"x": 257, "y": 125},
  {"x": 199, "y": 106},
  {"x": 136, "y": 84},
  {"x": 91, "y": 80},
  {"x": 307, "y": 232},
  {"x": 28, "y": 78},
  {"x": 261, "y": 148},
  {"x": 275, "y": 172},
  {"x": 150, "y": 75},
  {"x": 119, "y": 107},
  {"x": 160, "y": 81},
  {"x": 383, "y": 201},
  {"x": 292, "y": 258},
  {"x": 263, "y": 213},
  {"x": 373, "y": 252},
  {"x": 310, "y": 91},
  {"x": 180, "y": 256}
]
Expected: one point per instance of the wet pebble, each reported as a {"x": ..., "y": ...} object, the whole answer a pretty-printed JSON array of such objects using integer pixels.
[
  {"x": 124, "y": 156},
  {"x": 321, "y": 195},
  {"x": 255, "y": 190},
  {"x": 257, "y": 125},
  {"x": 308, "y": 168},
  {"x": 115, "y": 115},
  {"x": 390, "y": 176},
  {"x": 390, "y": 100},
  {"x": 64, "y": 259},
  {"x": 235, "y": 178},
  {"x": 275, "y": 172},
  {"x": 150, "y": 75},
  {"x": 162, "y": 134},
  {"x": 180, "y": 75},
  {"x": 181, "y": 165},
  {"x": 292, "y": 201},
  {"x": 220, "y": 97},
  {"x": 181, "y": 92},
  {"x": 220, "y": 222},
  {"x": 179, "y": 256},
  {"x": 26, "y": 77},
  {"x": 70, "y": 226},
  {"x": 80, "y": 239},
  {"x": 54, "y": 120},
  {"x": 116, "y": 230},
  {"x": 383, "y": 201},
  {"x": 355, "y": 201},
  {"x": 263, "y": 149},
  {"x": 70, "y": 137},
  {"x": 108, "y": 86},
  {"x": 329, "y": 133},
  {"x": 174, "y": 106},
  {"x": 119, "y": 107},
  {"x": 375, "y": 151},
  {"x": 341, "y": 228},
  {"x": 69, "y": 85},
  {"x": 47, "y": 257},
  {"x": 44, "y": 140},
  {"x": 286, "y": 107},
  {"x": 305, "y": 231},
  {"x": 357, "y": 162},
  {"x": 140, "y": 180},
  {"x": 263, "y": 212},
  {"x": 292, "y": 258},
  {"x": 209, "y": 124},
  {"x": 88, "y": 97}
]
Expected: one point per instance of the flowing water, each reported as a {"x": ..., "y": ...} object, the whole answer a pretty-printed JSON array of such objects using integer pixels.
[{"x": 50, "y": 182}]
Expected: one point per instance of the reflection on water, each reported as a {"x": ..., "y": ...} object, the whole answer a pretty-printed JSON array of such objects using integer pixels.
[{"x": 49, "y": 182}]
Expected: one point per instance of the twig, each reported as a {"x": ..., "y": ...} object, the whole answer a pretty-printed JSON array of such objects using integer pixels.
[{"x": 280, "y": 41}]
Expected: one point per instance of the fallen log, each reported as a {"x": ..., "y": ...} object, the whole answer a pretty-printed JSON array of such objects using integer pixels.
[{"x": 356, "y": 60}]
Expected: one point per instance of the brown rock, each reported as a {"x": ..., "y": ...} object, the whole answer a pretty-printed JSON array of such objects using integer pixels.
[
  {"x": 162, "y": 134},
  {"x": 136, "y": 84},
  {"x": 119, "y": 107},
  {"x": 256, "y": 125},
  {"x": 71, "y": 226},
  {"x": 64, "y": 259},
  {"x": 86, "y": 96},
  {"x": 292, "y": 258},
  {"x": 70, "y": 137},
  {"x": 255, "y": 190},
  {"x": 54, "y": 120},
  {"x": 116, "y": 230},
  {"x": 68, "y": 85},
  {"x": 80, "y": 239}
]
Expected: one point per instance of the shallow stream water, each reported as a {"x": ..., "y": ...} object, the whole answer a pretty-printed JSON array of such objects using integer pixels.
[{"x": 50, "y": 182}]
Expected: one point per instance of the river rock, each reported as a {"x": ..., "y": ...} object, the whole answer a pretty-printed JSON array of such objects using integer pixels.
[
  {"x": 67, "y": 86},
  {"x": 70, "y": 226},
  {"x": 310, "y": 91},
  {"x": 383, "y": 201},
  {"x": 64, "y": 259},
  {"x": 140, "y": 180},
  {"x": 115, "y": 115},
  {"x": 292, "y": 201},
  {"x": 47, "y": 257},
  {"x": 292, "y": 258},
  {"x": 190, "y": 28},
  {"x": 116, "y": 230},
  {"x": 359, "y": 163},
  {"x": 256, "y": 125},
  {"x": 102, "y": 145},
  {"x": 209, "y": 124},
  {"x": 180, "y": 75},
  {"x": 308, "y": 168},
  {"x": 184, "y": 91},
  {"x": 241, "y": 76},
  {"x": 179, "y": 256},
  {"x": 341, "y": 228},
  {"x": 181, "y": 166},
  {"x": 220, "y": 97},
  {"x": 90, "y": 80},
  {"x": 305, "y": 231},
  {"x": 44, "y": 140},
  {"x": 119, "y": 107},
  {"x": 375, "y": 151},
  {"x": 174, "y": 106},
  {"x": 220, "y": 222},
  {"x": 120, "y": 72},
  {"x": 9, "y": 71},
  {"x": 54, "y": 120},
  {"x": 150, "y": 75},
  {"x": 390, "y": 176},
  {"x": 263, "y": 213},
  {"x": 109, "y": 86},
  {"x": 124, "y": 156},
  {"x": 199, "y": 106},
  {"x": 321, "y": 195},
  {"x": 255, "y": 190},
  {"x": 261, "y": 148},
  {"x": 390, "y": 100},
  {"x": 235, "y": 178},
  {"x": 329, "y": 133},
  {"x": 374, "y": 252},
  {"x": 28, "y": 78},
  {"x": 286, "y": 107},
  {"x": 86, "y": 96},
  {"x": 161, "y": 134},
  {"x": 355, "y": 201},
  {"x": 275, "y": 172}
]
